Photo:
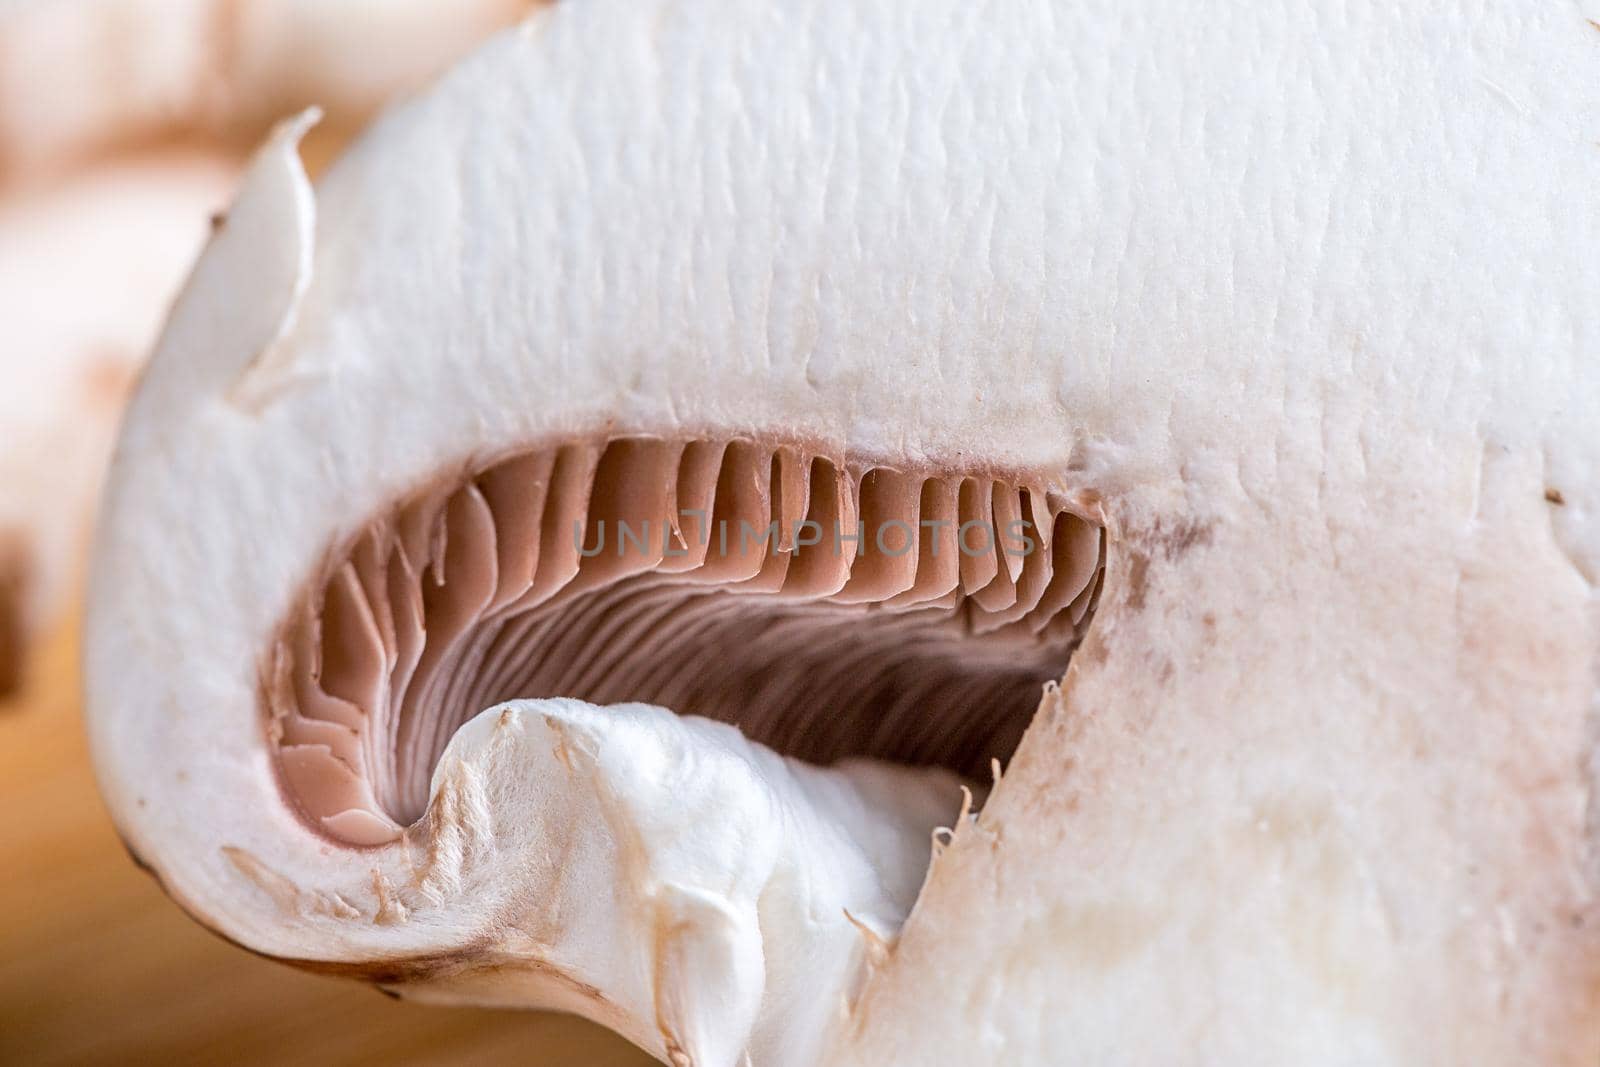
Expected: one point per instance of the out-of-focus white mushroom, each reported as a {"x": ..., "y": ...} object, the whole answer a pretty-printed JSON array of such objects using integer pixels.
[
  {"x": 78, "y": 76},
  {"x": 88, "y": 268},
  {"x": 123, "y": 124}
]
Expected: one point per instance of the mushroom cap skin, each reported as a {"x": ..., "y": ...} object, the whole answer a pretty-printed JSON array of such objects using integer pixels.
[{"x": 1300, "y": 304}]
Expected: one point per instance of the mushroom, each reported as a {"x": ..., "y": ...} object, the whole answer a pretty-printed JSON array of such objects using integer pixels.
[
  {"x": 88, "y": 264},
  {"x": 1166, "y": 627},
  {"x": 81, "y": 77}
]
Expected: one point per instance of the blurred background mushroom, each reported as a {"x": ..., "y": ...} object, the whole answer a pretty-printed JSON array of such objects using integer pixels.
[{"x": 122, "y": 125}]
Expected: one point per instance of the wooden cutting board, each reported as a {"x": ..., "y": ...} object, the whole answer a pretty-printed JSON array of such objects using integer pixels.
[{"x": 98, "y": 966}]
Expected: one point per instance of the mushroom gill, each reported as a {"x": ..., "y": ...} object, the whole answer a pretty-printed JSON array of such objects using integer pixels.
[{"x": 828, "y": 607}]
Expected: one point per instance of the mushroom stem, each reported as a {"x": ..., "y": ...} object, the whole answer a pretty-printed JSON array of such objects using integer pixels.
[{"x": 716, "y": 895}]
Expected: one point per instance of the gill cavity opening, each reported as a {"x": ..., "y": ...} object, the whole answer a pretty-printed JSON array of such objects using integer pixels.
[{"x": 829, "y": 608}]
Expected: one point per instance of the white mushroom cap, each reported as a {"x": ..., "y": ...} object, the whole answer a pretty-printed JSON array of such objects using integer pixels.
[{"x": 1299, "y": 303}]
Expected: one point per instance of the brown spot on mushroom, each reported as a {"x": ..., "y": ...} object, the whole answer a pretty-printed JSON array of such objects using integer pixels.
[
  {"x": 389, "y": 909},
  {"x": 1137, "y": 580},
  {"x": 335, "y": 906},
  {"x": 1181, "y": 537},
  {"x": 284, "y": 893},
  {"x": 1554, "y": 496}
]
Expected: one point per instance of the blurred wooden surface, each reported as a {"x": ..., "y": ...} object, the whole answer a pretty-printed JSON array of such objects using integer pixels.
[{"x": 98, "y": 967}]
